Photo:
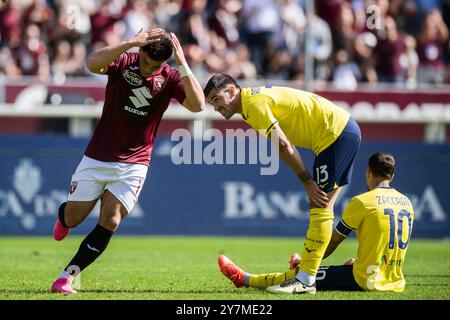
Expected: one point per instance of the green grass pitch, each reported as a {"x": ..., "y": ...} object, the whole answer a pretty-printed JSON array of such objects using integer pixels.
[{"x": 185, "y": 268}]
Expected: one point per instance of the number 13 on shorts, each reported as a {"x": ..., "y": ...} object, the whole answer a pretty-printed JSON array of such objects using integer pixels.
[{"x": 321, "y": 174}]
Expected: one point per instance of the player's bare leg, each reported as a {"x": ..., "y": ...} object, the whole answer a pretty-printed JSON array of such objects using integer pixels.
[
  {"x": 77, "y": 211},
  {"x": 70, "y": 215},
  {"x": 111, "y": 213},
  {"x": 332, "y": 196}
]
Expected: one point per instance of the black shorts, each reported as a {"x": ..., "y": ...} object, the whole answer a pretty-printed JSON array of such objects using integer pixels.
[
  {"x": 333, "y": 167},
  {"x": 336, "y": 278}
]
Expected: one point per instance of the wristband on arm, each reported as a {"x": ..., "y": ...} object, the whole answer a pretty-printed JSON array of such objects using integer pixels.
[
  {"x": 304, "y": 176},
  {"x": 184, "y": 70}
]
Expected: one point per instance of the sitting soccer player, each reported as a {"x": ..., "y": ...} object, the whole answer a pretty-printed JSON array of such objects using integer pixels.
[{"x": 382, "y": 218}]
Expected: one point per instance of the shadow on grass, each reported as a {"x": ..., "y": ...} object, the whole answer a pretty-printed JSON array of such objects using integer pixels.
[
  {"x": 428, "y": 275},
  {"x": 216, "y": 291},
  {"x": 122, "y": 291},
  {"x": 199, "y": 292},
  {"x": 429, "y": 284}
]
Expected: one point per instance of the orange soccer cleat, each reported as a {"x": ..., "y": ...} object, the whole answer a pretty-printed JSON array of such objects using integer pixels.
[{"x": 231, "y": 271}]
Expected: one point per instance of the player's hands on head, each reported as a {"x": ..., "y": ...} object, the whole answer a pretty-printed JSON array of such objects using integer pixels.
[
  {"x": 317, "y": 197},
  {"x": 177, "y": 50},
  {"x": 143, "y": 38}
]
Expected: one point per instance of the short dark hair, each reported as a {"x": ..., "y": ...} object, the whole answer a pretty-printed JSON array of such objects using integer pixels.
[
  {"x": 219, "y": 81},
  {"x": 382, "y": 165},
  {"x": 160, "y": 50}
]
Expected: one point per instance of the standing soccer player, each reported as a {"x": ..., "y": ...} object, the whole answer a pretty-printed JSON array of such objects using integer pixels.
[
  {"x": 383, "y": 220},
  {"x": 304, "y": 119},
  {"x": 114, "y": 166}
]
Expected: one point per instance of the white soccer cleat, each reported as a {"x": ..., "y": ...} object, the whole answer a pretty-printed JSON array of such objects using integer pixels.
[{"x": 292, "y": 286}]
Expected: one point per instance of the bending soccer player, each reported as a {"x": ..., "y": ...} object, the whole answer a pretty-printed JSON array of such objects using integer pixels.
[
  {"x": 114, "y": 166},
  {"x": 383, "y": 220},
  {"x": 304, "y": 119}
]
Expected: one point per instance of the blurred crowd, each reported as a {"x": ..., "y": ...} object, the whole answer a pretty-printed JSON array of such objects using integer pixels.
[{"x": 399, "y": 41}]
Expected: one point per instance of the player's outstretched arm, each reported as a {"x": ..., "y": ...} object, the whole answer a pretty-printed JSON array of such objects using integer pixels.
[
  {"x": 291, "y": 156},
  {"x": 98, "y": 62},
  {"x": 195, "y": 99},
  {"x": 336, "y": 239}
]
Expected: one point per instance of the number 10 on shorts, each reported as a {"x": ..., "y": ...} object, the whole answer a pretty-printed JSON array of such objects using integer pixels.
[{"x": 321, "y": 174}]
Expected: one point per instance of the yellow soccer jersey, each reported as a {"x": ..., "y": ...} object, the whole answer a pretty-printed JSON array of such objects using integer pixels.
[
  {"x": 383, "y": 219},
  {"x": 307, "y": 120}
]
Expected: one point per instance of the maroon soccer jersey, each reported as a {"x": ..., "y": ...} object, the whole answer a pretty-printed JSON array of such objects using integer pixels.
[{"x": 134, "y": 106}]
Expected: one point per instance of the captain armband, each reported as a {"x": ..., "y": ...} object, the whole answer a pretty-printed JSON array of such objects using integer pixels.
[{"x": 343, "y": 229}]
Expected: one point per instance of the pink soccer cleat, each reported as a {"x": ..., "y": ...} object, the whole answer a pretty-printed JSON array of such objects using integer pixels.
[
  {"x": 59, "y": 232},
  {"x": 62, "y": 285},
  {"x": 231, "y": 271}
]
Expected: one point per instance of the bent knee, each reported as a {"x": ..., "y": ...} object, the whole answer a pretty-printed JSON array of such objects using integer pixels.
[{"x": 110, "y": 220}]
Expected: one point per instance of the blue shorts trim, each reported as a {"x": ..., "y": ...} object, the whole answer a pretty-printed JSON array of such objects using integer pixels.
[
  {"x": 336, "y": 278},
  {"x": 333, "y": 167}
]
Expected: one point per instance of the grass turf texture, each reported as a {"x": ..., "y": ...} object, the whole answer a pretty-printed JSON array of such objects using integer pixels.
[{"x": 184, "y": 268}]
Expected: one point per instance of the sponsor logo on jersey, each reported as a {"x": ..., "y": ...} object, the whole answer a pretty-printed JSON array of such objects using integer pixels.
[
  {"x": 132, "y": 78},
  {"x": 158, "y": 83},
  {"x": 73, "y": 186},
  {"x": 136, "y": 111},
  {"x": 255, "y": 90}
]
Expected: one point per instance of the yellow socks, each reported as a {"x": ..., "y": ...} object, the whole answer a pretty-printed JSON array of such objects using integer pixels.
[
  {"x": 317, "y": 238},
  {"x": 262, "y": 281}
]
